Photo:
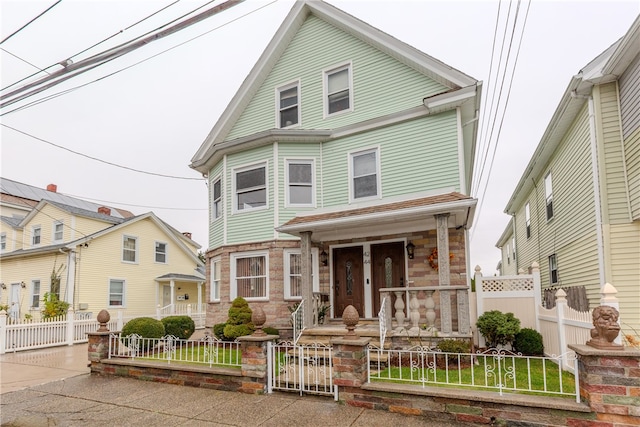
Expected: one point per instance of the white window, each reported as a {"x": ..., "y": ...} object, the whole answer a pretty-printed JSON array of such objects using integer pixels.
[
  {"x": 250, "y": 188},
  {"x": 553, "y": 270},
  {"x": 216, "y": 273},
  {"x": 35, "y": 293},
  {"x": 508, "y": 254},
  {"x": 300, "y": 179},
  {"x": 3, "y": 242},
  {"x": 293, "y": 273},
  {"x": 249, "y": 276},
  {"x": 288, "y": 108},
  {"x": 35, "y": 235},
  {"x": 216, "y": 199},
  {"x": 527, "y": 219},
  {"x": 161, "y": 252},
  {"x": 58, "y": 231},
  {"x": 513, "y": 248},
  {"x": 338, "y": 95},
  {"x": 548, "y": 194},
  {"x": 364, "y": 168},
  {"x": 129, "y": 249},
  {"x": 116, "y": 292}
]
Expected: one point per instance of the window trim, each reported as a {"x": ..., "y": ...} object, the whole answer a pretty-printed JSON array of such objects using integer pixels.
[
  {"x": 33, "y": 236},
  {"x": 33, "y": 294},
  {"x": 216, "y": 260},
  {"x": 234, "y": 173},
  {"x": 553, "y": 261},
  {"x": 315, "y": 272},
  {"x": 527, "y": 219},
  {"x": 233, "y": 288},
  {"x": 135, "y": 238},
  {"x": 124, "y": 292},
  {"x": 279, "y": 90},
  {"x": 351, "y": 156},
  {"x": 548, "y": 197},
  {"x": 166, "y": 252},
  {"x": 215, "y": 214},
  {"x": 307, "y": 161},
  {"x": 325, "y": 88},
  {"x": 54, "y": 232},
  {"x": 3, "y": 242}
]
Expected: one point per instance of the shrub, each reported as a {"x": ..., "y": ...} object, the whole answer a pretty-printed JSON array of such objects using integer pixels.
[
  {"x": 498, "y": 328},
  {"x": 218, "y": 330},
  {"x": 271, "y": 331},
  {"x": 179, "y": 326},
  {"x": 146, "y": 327},
  {"x": 453, "y": 346},
  {"x": 53, "y": 307},
  {"x": 529, "y": 342},
  {"x": 232, "y": 332},
  {"x": 239, "y": 312}
]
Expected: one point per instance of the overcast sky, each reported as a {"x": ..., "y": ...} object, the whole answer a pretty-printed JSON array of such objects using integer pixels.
[{"x": 154, "y": 115}]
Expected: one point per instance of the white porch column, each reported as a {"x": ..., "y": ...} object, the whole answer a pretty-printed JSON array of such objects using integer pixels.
[
  {"x": 444, "y": 272},
  {"x": 71, "y": 278},
  {"x": 199, "y": 297},
  {"x": 307, "y": 290},
  {"x": 173, "y": 296}
]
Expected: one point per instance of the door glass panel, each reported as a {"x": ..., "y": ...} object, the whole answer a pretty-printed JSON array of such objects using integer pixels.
[
  {"x": 388, "y": 272},
  {"x": 349, "y": 276}
]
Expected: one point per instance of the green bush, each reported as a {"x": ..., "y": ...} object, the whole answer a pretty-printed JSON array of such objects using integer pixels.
[
  {"x": 179, "y": 326},
  {"x": 146, "y": 327},
  {"x": 232, "y": 332},
  {"x": 239, "y": 321},
  {"x": 218, "y": 330},
  {"x": 529, "y": 342},
  {"x": 271, "y": 331},
  {"x": 498, "y": 328},
  {"x": 453, "y": 346}
]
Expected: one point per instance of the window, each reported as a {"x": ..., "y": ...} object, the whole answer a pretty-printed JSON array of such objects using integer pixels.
[
  {"x": 216, "y": 273},
  {"x": 293, "y": 273},
  {"x": 513, "y": 248},
  {"x": 116, "y": 293},
  {"x": 527, "y": 219},
  {"x": 161, "y": 252},
  {"x": 288, "y": 105},
  {"x": 338, "y": 93},
  {"x": 216, "y": 199},
  {"x": 129, "y": 249},
  {"x": 251, "y": 188},
  {"x": 364, "y": 168},
  {"x": 35, "y": 235},
  {"x": 508, "y": 254},
  {"x": 553, "y": 270},
  {"x": 249, "y": 276},
  {"x": 58, "y": 229},
  {"x": 3, "y": 241},
  {"x": 35, "y": 293},
  {"x": 548, "y": 194},
  {"x": 300, "y": 182}
]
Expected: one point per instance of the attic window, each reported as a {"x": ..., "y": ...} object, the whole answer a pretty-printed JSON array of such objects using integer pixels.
[
  {"x": 288, "y": 105},
  {"x": 338, "y": 93}
]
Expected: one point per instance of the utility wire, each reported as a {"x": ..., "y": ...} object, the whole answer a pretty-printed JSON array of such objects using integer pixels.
[
  {"x": 28, "y": 23},
  {"x": 23, "y": 60},
  {"x": 97, "y": 159},
  {"x": 134, "y": 205}
]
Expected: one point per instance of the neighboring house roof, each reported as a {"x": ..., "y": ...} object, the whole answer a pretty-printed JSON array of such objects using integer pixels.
[
  {"x": 72, "y": 210},
  {"x": 506, "y": 234},
  {"x": 606, "y": 67},
  {"x": 415, "y": 213},
  {"x": 180, "y": 277},
  {"x": 28, "y": 192},
  {"x": 450, "y": 77},
  {"x": 13, "y": 222}
]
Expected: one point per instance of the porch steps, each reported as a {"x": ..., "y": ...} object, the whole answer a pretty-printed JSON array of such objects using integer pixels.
[{"x": 366, "y": 328}]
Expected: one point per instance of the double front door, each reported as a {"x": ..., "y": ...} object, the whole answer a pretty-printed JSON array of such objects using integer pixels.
[{"x": 353, "y": 284}]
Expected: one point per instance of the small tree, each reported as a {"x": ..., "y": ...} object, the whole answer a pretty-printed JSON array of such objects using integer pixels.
[
  {"x": 498, "y": 328},
  {"x": 53, "y": 307},
  {"x": 239, "y": 322},
  {"x": 55, "y": 279}
]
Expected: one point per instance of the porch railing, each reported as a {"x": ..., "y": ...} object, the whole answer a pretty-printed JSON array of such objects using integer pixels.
[
  {"x": 297, "y": 319},
  {"x": 383, "y": 320}
]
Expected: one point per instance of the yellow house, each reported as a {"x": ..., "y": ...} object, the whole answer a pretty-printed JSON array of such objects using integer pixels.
[{"x": 95, "y": 260}]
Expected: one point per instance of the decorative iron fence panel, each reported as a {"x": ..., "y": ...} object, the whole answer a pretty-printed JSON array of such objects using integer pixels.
[{"x": 301, "y": 368}]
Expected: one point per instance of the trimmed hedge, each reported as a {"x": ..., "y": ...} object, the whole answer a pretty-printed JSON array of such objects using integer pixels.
[
  {"x": 146, "y": 327},
  {"x": 529, "y": 342},
  {"x": 179, "y": 326}
]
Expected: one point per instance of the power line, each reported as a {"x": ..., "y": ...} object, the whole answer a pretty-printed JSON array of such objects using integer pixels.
[
  {"x": 28, "y": 23},
  {"x": 137, "y": 206},
  {"x": 97, "y": 159},
  {"x": 23, "y": 60}
]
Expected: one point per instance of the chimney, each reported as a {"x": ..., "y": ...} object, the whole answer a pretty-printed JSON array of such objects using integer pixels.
[
  {"x": 186, "y": 234},
  {"x": 104, "y": 210},
  {"x": 52, "y": 187}
]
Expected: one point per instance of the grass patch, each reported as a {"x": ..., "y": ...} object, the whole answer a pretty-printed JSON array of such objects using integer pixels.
[{"x": 200, "y": 355}]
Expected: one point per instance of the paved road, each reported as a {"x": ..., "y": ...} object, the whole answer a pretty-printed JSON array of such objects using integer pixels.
[{"x": 52, "y": 388}]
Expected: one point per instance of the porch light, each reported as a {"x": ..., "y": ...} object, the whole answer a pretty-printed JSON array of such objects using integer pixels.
[
  {"x": 410, "y": 248},
  {"x": 3, "y": 286},
  {"x": 23, "y": 285},
  {"x": 324, "y": 258}
]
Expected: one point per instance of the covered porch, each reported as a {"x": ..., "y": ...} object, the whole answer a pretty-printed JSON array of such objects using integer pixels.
[
  {"x": 180, "y": 294},
  {"x": 385, "y": 261}
]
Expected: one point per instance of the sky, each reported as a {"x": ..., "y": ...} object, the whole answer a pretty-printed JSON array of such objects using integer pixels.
[{"x": 151, "y": 109}]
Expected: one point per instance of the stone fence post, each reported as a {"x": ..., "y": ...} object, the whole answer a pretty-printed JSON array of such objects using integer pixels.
[
  {"x": 254, "y": 361},
  {"x": 349, "y": 365}
]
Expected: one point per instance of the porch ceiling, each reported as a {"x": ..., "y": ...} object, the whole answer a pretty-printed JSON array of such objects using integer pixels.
[{"x": 390, "y": 218}]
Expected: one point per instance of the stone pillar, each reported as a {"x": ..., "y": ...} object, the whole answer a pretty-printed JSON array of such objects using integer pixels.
[
  {"x": 349, "y": 365},
  {"x": 610, "y": 383},
  {"x": 444, "y": 272},
  {"x": 99, "y": 342},
  {"x": 254, "y": 362},
  {"x": 307, "y": 284}
]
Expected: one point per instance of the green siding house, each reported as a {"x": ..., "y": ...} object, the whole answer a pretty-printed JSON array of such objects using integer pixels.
[
  {"x": 342, "y": 163},
  {"x": 576, "y": 208}
]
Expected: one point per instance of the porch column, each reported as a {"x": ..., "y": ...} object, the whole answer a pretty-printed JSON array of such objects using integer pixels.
[
  {"x": 444, "y": 272},
  {"x": 305, "y": 251},
  {"x": 199, "y": 297},
  {"x": 173, "y": 295}
]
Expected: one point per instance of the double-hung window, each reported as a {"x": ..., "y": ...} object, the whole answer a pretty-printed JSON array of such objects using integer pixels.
[
  {"x": 338, "y": 93},
  {"x": 216, "y": 199},
  {"x": 129, "y": 249},
  {"x": 216, "y": 273},
  {"x": 548, "y": 194},
  {"x": 116, "y": 292},
  {"x": 3, "y": 242},
  {"x": 553, "y": 270},
  {"x": 527, "y": 219},
  {"x": 36, "y": 231},
  {"x": 251, "y": 188},
  {"x": 58, "y": 229},
  {"x": 35, "y": 293},
  {"x": 161, "y": 252},
  {"x": 250, "y": 276},
  {"x": 288, "y": 108},
  {"x": 293, "y": 273},
  {"x": 365, "y": 174},
  {"x": 299, "y": 176}
]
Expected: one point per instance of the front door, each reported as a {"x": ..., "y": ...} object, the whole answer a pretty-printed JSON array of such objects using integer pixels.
[
  {"x": 387, "y": 269},
  {"x": 166, "y": 295},
  {"x": 14, "y": 301},
  {"x": 348, "y": 280}
]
